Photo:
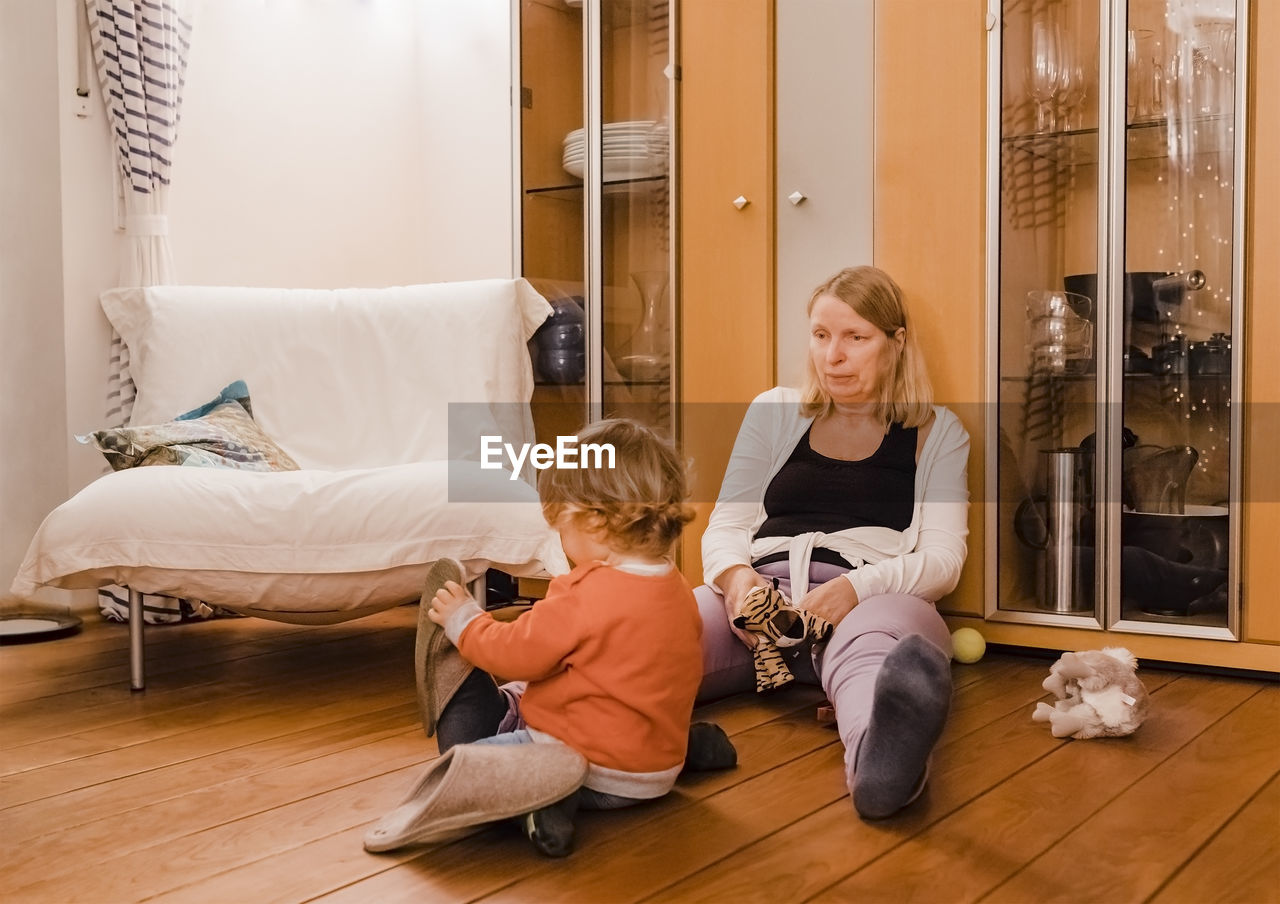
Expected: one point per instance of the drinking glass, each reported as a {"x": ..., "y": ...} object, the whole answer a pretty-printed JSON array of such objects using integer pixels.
[
  {"x": 1139, "y": 60},
  {"x": 1074, "y": 91},
  {"x": 1044, "y": 72}
]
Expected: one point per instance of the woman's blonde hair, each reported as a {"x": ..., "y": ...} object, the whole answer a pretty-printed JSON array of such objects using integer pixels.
[
  {"x": 638, "y": 504},
  {"x": 906, "y": 397}
]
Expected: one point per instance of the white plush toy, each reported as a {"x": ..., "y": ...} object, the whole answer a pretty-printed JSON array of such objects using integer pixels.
[{"x": 1099, "y": 695}]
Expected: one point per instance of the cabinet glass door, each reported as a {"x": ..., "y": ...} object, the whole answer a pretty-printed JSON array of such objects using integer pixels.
[
  {"x": 1179, "y": 272},
  {"x": 596, "y": 208},
  {"x": 1047, "y": 321},
  {"x": 635, "y": 142},
  {"x": 1117, "y": 279},
  {"x": 553, "y": 229}
]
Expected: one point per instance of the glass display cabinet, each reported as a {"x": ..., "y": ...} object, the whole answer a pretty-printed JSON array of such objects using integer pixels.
[
  {"x": 1115, "y": 281},
  {"x": 595, "y": 207}
]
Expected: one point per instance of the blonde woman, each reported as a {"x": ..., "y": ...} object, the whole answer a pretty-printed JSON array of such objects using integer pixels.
[{"x": 851, "y": 494}]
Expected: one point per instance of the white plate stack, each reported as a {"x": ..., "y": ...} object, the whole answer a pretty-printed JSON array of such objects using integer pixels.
[{"x": 631, "y": 150}]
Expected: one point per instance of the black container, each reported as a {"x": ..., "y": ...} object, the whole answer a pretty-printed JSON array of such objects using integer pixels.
[
  {"x": 1150, "y": 296},
  {"x": 561, "y": 342},
  {"x": 562, "y": 365},
  {"x": 1212, "y": 357},
  {"x": 1169, "y": 358}
]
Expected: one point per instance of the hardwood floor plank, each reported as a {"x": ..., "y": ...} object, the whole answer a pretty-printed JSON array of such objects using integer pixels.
[
  {"x": 289, "y": 689},
  {"x": 749, "y": 823},
  {"x": 261, "y": 752},
  {"x": 1164, "y": 818},
  {"x": 240, "y": 844},
  {"x": 485, "y": 863},
  {"x": 71, "y": 819},
  {"x": 623, "y": 867},
  {"x": 219, "y": 803},
  {"x": 815, "y": 852},
  {"x": 257, "y": 724},
  {"x": 985, "y": 841},
  {"x": 93, "y": 707},
  {"x": 144, "y": 873},
  {"x": 1240, "y": 864},
  {"x": 419, "y": 879},
  {"x": 172, "y": 651}
]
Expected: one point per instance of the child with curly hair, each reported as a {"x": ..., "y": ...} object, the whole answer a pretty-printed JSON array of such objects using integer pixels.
[{"x": 610, "y": 660}]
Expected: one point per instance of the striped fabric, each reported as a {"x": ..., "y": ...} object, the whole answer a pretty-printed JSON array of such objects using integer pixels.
[{"x": 140, "y": 48}]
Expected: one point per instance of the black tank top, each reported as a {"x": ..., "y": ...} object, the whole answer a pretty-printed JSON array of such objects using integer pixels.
[{"x": 815, "y": 493}]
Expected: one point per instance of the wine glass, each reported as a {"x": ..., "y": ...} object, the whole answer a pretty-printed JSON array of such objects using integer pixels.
[
  {"x": 1074, "y": 89},
  {"x": 1044, "y": 73}
]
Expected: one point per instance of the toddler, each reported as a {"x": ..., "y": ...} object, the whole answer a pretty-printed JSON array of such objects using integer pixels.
[{"x": 610, "y": 661}]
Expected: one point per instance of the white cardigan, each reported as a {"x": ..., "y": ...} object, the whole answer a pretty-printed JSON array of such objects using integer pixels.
[{"x": 924, "y": 560}]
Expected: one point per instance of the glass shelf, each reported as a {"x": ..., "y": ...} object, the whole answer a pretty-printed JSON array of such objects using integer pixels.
[
  {"x": 1139, "y": 375},
  {"x": 1147, "y": 140},
  {"x": 573, "y": 191}
]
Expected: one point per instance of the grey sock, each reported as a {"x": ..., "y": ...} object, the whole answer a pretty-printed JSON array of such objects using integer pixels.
[{"x": 912, "y": 696}]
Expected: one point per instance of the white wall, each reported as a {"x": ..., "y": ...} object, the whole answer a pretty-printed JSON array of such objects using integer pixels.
[
  {"x": 33, "y": 461},
  {"x": 323, "y": 143}
]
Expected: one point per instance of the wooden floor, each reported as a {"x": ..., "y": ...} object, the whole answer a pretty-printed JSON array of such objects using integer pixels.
[{"x": 251, "y": 766}]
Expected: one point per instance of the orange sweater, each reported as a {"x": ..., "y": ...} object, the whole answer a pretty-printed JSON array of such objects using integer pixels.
[{"x": 613, "y": 662}]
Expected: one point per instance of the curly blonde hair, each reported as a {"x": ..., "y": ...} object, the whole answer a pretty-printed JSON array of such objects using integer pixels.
[
  {"x": 906, "y": 397},
  {"x": 638, "y": 504}
]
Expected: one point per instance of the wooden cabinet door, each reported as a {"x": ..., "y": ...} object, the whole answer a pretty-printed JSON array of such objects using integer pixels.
[
  {"x": 726, "y": 320},
  {"x": 930, "y": 85},
  {"x": 1261, "y": 535}
]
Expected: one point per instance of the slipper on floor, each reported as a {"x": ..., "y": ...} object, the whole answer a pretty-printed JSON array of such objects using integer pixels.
[
  {"x": 439, "y": 668},
  {"x": 475, "y": 784}
]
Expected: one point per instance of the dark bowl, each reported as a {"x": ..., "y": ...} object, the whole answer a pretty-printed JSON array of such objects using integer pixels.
[
  {"x": 561, "y": 335},
  {"x": 562, "y": 365},
  {"x": 1197, "y": 537}
]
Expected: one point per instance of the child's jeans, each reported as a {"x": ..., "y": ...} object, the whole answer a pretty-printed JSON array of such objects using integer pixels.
[{"x": 588, "y": 799}]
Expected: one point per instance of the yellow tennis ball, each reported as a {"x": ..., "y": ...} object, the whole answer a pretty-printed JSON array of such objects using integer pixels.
[{"x": 967, "y": 645}]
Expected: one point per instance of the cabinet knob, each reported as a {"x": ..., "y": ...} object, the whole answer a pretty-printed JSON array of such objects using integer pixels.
[
  {"x": 740, "y": 202},
  {"x": 796, "y": 197}
]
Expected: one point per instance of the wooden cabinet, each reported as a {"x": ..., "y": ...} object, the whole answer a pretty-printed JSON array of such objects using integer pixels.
[
  {"x": 924, "y": 187},
  {"x": 776, "y": 110},
  {"x": 930, "y": 201}
]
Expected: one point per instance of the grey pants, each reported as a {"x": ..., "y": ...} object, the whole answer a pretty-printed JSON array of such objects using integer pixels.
[{"x": 846, "y": 668}]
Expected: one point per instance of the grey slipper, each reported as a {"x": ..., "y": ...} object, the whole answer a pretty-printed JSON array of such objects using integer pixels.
[
  {"x": 439, "y": 668},
  {"x": 474, "y": 784}
]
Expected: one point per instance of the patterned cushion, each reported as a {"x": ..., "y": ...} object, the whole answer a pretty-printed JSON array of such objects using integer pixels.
[{"x": 219, "y": 434}]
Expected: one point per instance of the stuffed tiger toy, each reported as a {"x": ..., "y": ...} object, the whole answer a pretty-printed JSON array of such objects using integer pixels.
[{"x": 768, "y": 614}]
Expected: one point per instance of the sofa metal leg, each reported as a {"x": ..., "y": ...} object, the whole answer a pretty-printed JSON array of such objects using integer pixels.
[
  {"x": 479, "y": 589},
  {"x": 136, "y": 678}
]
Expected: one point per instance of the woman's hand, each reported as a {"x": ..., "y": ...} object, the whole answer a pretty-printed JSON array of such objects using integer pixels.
[
  {"x": 831, "y": 601},
  {"x": 737, "y": 582},
  {"x": 448, "y": 599}
]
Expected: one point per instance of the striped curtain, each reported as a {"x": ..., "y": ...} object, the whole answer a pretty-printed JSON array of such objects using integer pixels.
[{"x": 140, "y": 48}]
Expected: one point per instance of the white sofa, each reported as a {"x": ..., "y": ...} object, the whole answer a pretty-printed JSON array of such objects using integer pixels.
[{"x": 379, "y": 395}]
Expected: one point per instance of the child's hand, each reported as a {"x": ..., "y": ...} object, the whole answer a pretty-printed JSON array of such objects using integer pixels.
[{"x": 448, "y": 599}]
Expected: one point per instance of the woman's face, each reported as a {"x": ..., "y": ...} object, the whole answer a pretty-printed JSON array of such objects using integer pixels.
[{"x": 851, "y": 356}]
